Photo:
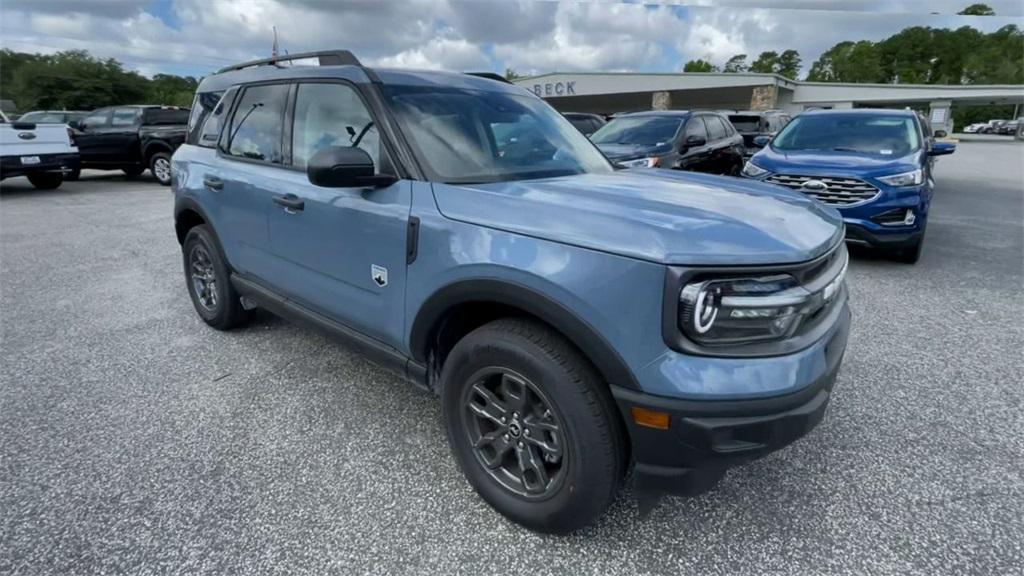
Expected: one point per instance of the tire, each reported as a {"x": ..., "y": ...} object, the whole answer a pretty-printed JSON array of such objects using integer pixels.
[
  {"x": 567, "y": 406},
  {"x": 911, "y": 253},
  {"x": 133, "y": 171},
  {"x": 46, "y": 180},
  {"x": 208, "y": 281},
  {"x": 160, "y": 167},
  {"x": 735, "y": 170}
]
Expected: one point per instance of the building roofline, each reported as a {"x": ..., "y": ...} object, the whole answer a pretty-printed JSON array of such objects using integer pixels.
[{"x": 781, "y": 79}]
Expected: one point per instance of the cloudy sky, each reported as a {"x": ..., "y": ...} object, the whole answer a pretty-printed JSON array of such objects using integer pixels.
[{"x": 194, "y": 37}]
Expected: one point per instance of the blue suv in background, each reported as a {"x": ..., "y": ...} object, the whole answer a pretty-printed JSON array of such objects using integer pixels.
[
  {"x": 576, "y": 320},
  {"x": 873, "y": 165}
]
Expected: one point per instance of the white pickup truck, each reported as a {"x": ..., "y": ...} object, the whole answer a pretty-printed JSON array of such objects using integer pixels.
[{"x": 41, "y": 152}]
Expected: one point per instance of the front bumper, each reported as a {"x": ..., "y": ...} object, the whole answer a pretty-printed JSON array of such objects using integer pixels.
[
  {"x": 11, "y": 166},
  {"x": 858, "y": 234},
  {"x": 706, "y": 437}
]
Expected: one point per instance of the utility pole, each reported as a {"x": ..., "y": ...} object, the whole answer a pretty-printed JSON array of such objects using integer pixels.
[{"x": 273, "y": 51}]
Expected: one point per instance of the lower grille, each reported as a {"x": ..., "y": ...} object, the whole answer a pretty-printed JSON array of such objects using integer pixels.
[{"x": 828, "y": 189}]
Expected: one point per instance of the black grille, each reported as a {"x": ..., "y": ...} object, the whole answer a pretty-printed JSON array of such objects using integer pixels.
[
  {"x": 892, "y": 217},
  {"x": 836, "y": 192}
]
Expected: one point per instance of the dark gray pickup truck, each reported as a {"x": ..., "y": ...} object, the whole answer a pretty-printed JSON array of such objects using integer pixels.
[{"x": 132, "y": 139}]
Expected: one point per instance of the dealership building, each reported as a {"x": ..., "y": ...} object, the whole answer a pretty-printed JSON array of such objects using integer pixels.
[{"x": 607, "y": 93}]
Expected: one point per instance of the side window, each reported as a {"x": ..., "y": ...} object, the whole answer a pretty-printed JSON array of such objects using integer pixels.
[
  {"x": 125, "y": 117},
  {"x": 96, "y": 120},
  {"x": 256, "y": 127},
  {"x": 210, "y": 130},
  {"x": 695, "y": 127},
  {"x": 328, "y": 114},
  {"x": 202, "y": 105},
  {"x": 716, "y": 130}
]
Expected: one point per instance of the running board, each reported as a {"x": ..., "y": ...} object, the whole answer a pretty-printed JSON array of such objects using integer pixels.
[{"x": 375, "y": 350}]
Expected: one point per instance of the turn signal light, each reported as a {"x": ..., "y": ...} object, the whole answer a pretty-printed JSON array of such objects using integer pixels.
[{"x": 650, "y": 418}]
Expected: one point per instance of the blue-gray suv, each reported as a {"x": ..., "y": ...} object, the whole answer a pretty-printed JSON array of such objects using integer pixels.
[{"x": 575, "y": 320}]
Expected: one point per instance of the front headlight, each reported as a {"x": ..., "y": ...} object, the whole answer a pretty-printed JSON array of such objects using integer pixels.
[
  {"x": 741, "y": 310},
  {"x": 752, "y": 170},
  {"x": 640, "y": 163},
  {"x": 912, "y": 178}
]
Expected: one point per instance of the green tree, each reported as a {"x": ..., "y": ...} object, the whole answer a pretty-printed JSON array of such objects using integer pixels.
[
  {"x": 848, "y": 62},
  {"x": 736, "y": 64},
  {"x": 172, "y": 90},
  {"x": 699, "y": 66},
  {"x": 977, "y": 10},
  {"x": 766, "y": 63},
  {"x": 788, "y": 64},
  {"x": 511, "y": 74}
]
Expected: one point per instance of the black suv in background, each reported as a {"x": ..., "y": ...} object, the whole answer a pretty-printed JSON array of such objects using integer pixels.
[
  {"x": 132, "y": 139},
  {"x": 585, "y": 123},
  {"x": 678, "y": 139},
  {"x": 754, "y": 123}
]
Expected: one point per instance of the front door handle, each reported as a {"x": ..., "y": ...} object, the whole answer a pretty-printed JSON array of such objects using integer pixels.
[
  {"x": 291, "y": 202},
  {"x": 213, "y": 183}
]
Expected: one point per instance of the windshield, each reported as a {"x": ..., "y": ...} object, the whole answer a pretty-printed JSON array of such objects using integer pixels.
[
  {"x": 464, "y": 136},
  {"x": 642, "y": 130},
  {"x": 882, "y": 134},
  {"x": 745, "y": 123}
]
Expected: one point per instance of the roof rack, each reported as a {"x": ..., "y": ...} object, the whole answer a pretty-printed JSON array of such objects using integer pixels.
[
  {"x": 325, "y": 57},
  {"x": 490, "y": 76}
]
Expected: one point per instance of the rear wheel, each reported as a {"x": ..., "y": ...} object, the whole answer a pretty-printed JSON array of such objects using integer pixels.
[
  {"x": 160, "y": 167},
  {"x": 46, "y": 180},
  {"x": 209, "y": 281},
  {"x": 532, "y": 425}
]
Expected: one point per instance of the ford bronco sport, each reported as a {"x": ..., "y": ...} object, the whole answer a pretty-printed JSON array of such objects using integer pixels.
[{"x": 576, "y": 320}]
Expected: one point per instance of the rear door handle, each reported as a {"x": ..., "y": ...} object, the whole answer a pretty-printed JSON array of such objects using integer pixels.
[
  {"x": 291, "y": 202},
  {"x": 213, "y": 183}
]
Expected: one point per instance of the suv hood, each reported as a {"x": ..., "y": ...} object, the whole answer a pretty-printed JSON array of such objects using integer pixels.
[
  {"x": 655, "y": 215},
  {"x": 632, "y": 151},
  {"x": 832, "y": 162}
]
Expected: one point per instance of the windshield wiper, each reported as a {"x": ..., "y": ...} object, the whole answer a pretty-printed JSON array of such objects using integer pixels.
[{"x": 842, "y": 149}]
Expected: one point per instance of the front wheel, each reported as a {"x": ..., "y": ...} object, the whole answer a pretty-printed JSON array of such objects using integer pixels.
[
  {"x": 160, "y": 166},
  {"x": 532, "y": 425},
  {"x": 46, "y": 180}
]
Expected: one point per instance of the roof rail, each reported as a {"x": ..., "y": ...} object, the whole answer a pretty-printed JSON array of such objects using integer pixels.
[
  {"x": 490, "y": 76},
  {"x": 326, "y": 58}
]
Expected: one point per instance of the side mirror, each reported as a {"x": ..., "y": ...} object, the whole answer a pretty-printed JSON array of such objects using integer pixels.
[
  {"x": 344, "y": 167},
  {"x": 762, "y": 141},
  {"x": 942, "y": 148},
  {"x": 694, "y": 140},
  {"x": 941, "y": 133},
  {"x": 77, "y": 125}
]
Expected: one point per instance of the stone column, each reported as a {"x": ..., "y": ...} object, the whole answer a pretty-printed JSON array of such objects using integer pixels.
[
  {"x": 661, "y": 101},
  {"x": 764, "y": 97},
  {"x": 940, "y": 114}
]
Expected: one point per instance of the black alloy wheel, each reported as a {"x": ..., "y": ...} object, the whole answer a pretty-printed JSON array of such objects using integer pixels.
[{"x": 515, "y": 434}]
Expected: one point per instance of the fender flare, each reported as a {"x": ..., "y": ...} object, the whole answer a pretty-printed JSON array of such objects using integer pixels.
[
  {"x": 584, "y": 336},
  {"x": 154, "y": 147}
]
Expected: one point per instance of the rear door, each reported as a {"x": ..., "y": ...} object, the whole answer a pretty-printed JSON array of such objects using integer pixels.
[
  {"x": 695, "y": 158},
  {"x": 342, "y": 250},
  {"x": 121, "y": 139},
  {"x": 718, "y": 144},
  {"x": 249, "y": 172}
]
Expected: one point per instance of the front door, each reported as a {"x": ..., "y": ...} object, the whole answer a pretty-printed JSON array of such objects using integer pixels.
[
  {"x": 696, "y": 157},
  {"x": 341, "y": 251}
]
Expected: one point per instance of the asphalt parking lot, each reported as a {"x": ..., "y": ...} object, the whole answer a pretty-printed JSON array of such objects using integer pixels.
[{"x": 134, "y": 439}]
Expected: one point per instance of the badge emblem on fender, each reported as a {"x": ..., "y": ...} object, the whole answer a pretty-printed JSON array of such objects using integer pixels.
[{"x": 379, "y": 275}]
